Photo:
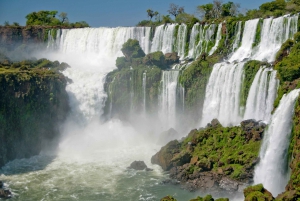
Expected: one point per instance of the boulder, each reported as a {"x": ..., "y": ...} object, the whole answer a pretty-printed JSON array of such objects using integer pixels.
[
  {"x": 257, "y": 192},
  {"x": 155, "y": 59},
  {"x": 132, "y": 49},
  {"x": 1, "y": 184},
  {"x": 165, "y": 155},
  {"x": 171, "y": 58},
  {"x": 138, "y": 165},
  {"x": 5, "y": 193},
  {"x": 228, "y": 184}
]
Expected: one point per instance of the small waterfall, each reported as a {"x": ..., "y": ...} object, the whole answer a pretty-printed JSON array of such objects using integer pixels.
[
  {"x": 218, "y": 38},
  {"x": 222, "y": 97},
  {"x": 144, "y": 91},
  {"x": 157, "y": 39},
  {"x": 53, "y": 44},
  {"x": 262, "y": 95},
  {"x": 164, "y": 38},
  {"x": 181, "y": 40},
  {"x": 237, "y": 39},
  {"x": 245, "y": 50},
  {"x": 194, "y": 36},
  {"x": 169, "y": 97},
  {"x": 274, "y": 33},
  {"x": 200, "y": 39},
  {"x": 272, "y": 169}
]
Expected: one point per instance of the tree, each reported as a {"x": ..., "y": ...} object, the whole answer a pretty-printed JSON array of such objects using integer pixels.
[
  {"x": 230, "y": 9},
  {"x": 272, "y": 6},
  {"x": 42, "y": 18},
  {"x": 184, "y": 18},
  {"x": 175, "y": 10},
  {"x": 150, "y": 13},
  {"x": 16, "y": 24},
  {"x": 63, "y": 17},
  {"x": 6, "y": 23},
  {"x": 206, "y": 10},
  {"x": 217, "y": 8}
]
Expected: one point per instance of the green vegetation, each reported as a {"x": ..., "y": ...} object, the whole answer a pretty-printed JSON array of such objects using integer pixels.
[
  {"x": 48, "y": 18},
  {"x": 124, "y": 86},
  {"x": 168, "y": 198},
  {"x": 33, "y": 104},
  {"x": 228, "y": 150},
  {"x": 194, "y": 80},
  {"x": 257, "y": 192},
  {"x": 132, "y": 49},
  {"x": 250, "y": 70},
  {"x": 288, "y": 67}
]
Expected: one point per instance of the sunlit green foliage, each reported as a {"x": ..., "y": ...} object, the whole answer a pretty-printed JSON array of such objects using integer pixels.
[{"x": 48, "y": 18}]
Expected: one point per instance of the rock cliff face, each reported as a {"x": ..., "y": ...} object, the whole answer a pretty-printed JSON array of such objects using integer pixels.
[
  {"x": 33, "y": 104},
  {"x": 215, "y": 158},
  {"x": 12, "y": 36}
]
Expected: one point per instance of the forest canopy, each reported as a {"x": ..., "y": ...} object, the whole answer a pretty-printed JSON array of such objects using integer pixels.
[{"x": 48, "y": 18}]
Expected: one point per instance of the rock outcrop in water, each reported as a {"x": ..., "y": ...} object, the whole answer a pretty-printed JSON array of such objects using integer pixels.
[
  {"x": 33, "y": 104},
  {"x": 4, "y": 193},
  {"x": 215, "y": 158}
]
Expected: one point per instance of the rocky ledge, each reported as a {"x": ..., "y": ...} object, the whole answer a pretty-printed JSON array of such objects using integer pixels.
[{"x": 214, "y": 158}]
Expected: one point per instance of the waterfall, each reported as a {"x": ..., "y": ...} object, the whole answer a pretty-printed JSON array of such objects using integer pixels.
[
  {"x": 91, "y": 53},
  {"x": 144, "y": 91},
  {"x": 237, "y": 38},
  {"x": 248, "y": 38},
  {"x": 157, "y": 39},
  {"x": 272, "y": 169},
  {"x": 200, "y": 39},
  {"x": 218, "y": 38},
  {"x": 169, "y": 97},
  {"x": 192, "y": 44},
  {"x": 262, "y": 95},
  {"x": 274, "y": 33},
  {"x": 181, "y": 40},
  {"x": 222, "y": 97},
  {"x": 164, "y": 38}
]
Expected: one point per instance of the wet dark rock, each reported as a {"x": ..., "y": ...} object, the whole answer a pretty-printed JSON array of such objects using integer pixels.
[
  {"x": 1, "y": 184},
  {"x": 171, "y": 58},
  {"x": 149, "y": 169},
  {"x": 138, "y": 165},
  {"x": 5, "y": 193},
  {"x": 228, "y": 184},
  {"x": 253, "y": 129},
  {"x": 165, "y": 155}
]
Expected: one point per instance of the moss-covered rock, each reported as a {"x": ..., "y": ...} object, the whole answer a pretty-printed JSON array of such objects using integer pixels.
[
  {"x": 168, "y": 198},
  {"x": 288, "y": 65},
  {"x": 214, "y": 156},
  {"x": 194, "y": 80},
  {"x": 132, "y": 49},
  {"x": 33, "y": 104},
  {"x": 155, "y": 59},
  {"x": 250, "y": 70},
  {"x": 125, "y": 91},
  {"x": 257, "y": 193}
]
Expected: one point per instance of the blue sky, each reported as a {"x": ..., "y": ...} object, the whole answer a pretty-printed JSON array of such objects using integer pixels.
[{"x": 109, "y": 13}]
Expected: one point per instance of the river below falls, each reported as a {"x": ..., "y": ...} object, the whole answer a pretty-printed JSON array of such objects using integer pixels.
[{"x": 45, "y": 177}]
